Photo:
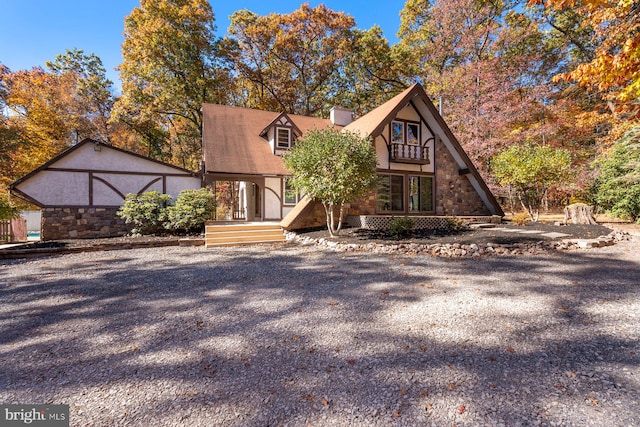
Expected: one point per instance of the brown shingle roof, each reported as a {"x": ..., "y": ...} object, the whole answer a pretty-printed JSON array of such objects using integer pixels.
[
  {"x": 232, "y": 141},
  {"x": 372, "y": 123}
]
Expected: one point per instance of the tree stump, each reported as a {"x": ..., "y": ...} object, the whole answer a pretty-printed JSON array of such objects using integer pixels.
[{"x": 579, "y": 213}]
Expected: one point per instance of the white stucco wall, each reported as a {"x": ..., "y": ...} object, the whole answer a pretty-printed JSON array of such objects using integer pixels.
[
  {"x": 80, "y": 178},
  {"x": 382, "y": 153},
  {"x": 108, "y": 159},
  {"x": 53, "y": 188},
  {"x": 272, "y": 198}
]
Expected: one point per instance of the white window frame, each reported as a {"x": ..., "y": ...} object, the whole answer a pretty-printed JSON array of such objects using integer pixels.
[
  {"x": 285, "y": 180},
  {"x": 417, "y": 126},
  {"x": 279, "y": 142},
  {"x": 402, "y": 124}
]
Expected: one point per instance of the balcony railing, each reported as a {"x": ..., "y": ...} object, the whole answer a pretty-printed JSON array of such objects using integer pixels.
[{"x": 408, "y": 153}]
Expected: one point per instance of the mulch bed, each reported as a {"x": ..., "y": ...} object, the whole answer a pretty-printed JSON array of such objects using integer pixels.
[
  {"x": 466, "y": 236},
  {"x": 347, "y": 235}
]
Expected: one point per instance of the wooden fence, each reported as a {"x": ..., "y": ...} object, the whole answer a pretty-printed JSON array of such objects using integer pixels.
[
  {"x": 5, "y": 231},
  {"x": 14, "y": 230}
]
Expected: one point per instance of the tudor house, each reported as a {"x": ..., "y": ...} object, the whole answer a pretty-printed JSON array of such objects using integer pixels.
[{"x": 423, "y": 171}]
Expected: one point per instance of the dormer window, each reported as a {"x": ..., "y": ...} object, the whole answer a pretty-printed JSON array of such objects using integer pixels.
[{"x": 283, "y": 138}]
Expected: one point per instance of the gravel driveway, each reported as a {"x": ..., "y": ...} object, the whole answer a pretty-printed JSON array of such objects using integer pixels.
[{"x": 296, "y": 336}]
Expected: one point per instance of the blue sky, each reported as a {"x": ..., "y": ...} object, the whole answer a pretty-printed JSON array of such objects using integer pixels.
[{"x": 34, "y": 31}]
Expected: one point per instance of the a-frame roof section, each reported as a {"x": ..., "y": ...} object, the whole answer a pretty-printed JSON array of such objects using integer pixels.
[
  {"x": 275, "y": 122},
  {"x": 373, "y": 123}
]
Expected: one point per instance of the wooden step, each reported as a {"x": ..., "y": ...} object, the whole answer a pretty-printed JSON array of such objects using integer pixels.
[{"x": 228, "y": 234}]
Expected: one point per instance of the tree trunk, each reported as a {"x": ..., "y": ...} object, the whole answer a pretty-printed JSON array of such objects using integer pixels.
[{"x": 579, "y": 213}]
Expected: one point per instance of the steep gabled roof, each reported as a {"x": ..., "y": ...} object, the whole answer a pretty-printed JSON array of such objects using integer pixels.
[
  {"x": 372, "y": 124},
  {"x": 232, "y": 143}
]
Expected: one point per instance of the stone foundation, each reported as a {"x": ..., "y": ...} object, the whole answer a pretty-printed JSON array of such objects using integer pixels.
[{"x": 82, "y": 223}]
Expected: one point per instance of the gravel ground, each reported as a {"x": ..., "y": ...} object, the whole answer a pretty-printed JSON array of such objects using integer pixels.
[{"x": 296, "y": 336}]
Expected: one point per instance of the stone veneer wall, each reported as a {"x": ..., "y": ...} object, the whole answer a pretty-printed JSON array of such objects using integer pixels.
[
  {"x": 316, "y": 218},
  {"x": 82, "y": 223},
  {"x": 454, "y": 194}
]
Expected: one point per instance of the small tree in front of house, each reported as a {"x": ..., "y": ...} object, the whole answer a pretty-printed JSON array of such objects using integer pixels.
[
  {"x": 334, "y": 167},
  {"x": 530, "y": 170},
  {"x": 7, "y": 209}
]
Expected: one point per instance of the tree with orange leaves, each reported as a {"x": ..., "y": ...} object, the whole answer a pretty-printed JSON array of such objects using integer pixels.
[{"x": 614, "y": 71}]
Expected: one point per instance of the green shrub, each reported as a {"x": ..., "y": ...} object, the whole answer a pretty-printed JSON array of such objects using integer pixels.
[
  {"x": 191, "y": 209},
  {"x": 617, "y": 186},
  {"x": 145, "y": 211},
  {"x": 7, "y": 209},
  {"x": 401, "y": 226}
]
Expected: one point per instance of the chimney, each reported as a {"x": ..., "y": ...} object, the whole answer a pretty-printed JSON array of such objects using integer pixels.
[{"x": 340, "y": 116}]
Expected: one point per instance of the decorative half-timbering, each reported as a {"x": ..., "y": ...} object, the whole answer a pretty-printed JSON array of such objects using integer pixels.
[
  {"x": 422, "y": 169},
  {"x": 80, "y": 190}
]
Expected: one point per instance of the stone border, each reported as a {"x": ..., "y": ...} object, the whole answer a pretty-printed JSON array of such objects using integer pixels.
[{"x": 452, "y": 250}]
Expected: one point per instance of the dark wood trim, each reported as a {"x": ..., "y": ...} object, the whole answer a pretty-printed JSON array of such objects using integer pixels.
[
  {"x": 103, "y": 145},
  {"x": 150, "y": 184},
  {"x": 90, "y": 188},
  {"x": 25, "y": 197},
  {"x": 105, "y": 182},
  {"x": 422, "y": 118},
  {"x": 110, "y": 172},
  {"x": 164, "y": 185}
]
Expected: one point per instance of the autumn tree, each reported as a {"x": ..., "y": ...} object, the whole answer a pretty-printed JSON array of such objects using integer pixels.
[
  {"x": 291, "y": 62},
  {"x": 39, "y": 121},
  {"x": 45, "y": 111},
  {"x": 170, "y": 68},
  {"x": 93, "y": 98},
  {"x": 374, "y": 72},
  {"x": 611, "y": 69},
  {"x": 333, "y": 167},
  {"x": 530, "y": 170},
  {"x": 484, "y": 61}
]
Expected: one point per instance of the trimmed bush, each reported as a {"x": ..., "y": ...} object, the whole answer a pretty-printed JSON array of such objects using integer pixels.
[
  {"x": 191, "y": 209},
  {"x": 145, "y": 211}
]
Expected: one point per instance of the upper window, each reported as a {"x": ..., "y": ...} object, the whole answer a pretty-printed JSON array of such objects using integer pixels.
[
  {"x": 283, "y": 138},
  {"x": 405, "y": 133},
  {"x": 413, "y": 133},
  {"x": 397, "y": 132}
]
